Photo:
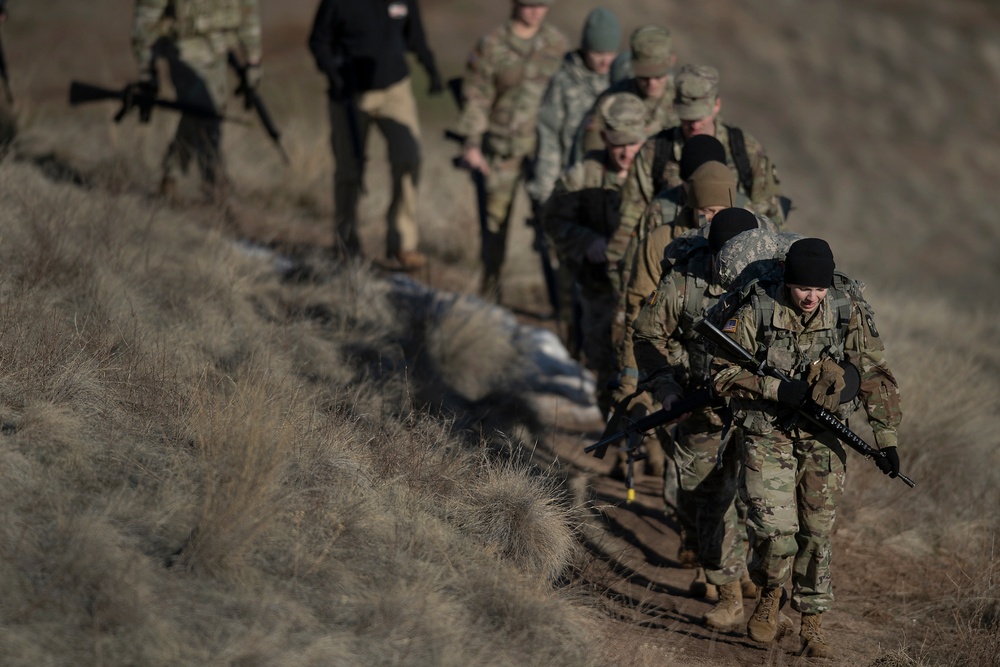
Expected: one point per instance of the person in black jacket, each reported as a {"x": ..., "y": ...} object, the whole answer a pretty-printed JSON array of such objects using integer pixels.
[{"x": 361, "y": 48}]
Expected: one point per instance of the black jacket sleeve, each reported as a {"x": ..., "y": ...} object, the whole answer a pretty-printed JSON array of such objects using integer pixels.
[
  {"x": 416, "y": 40},
  {"x": 323, "y": 39}
]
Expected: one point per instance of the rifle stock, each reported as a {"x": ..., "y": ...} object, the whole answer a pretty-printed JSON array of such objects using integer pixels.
[
  {"x": 811, "y": 411},
  {"x": 131, "y": 97}
]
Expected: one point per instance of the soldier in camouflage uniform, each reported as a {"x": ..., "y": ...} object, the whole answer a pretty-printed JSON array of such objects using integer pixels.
[
  {"x": 794, "y": 474},
  {"x": 674, "y": 360},
  {"x": 193, "y": 37},
  {"x": 657, "y": 167},
  {"x": 570, "y": 95},
  {"x": 506, "y": 76},
  {"x": 651, "y": 63},
  {"x": 580, "y": 217}
]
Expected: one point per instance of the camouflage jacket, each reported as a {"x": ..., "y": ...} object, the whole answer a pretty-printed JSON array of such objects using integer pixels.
[
  {"x": 659, "y": 115},
  {"x": 570, "y": 95},
  {"x": 505, "y": 78},
  {"x": 768, "y": 320},
  {"x": 583, "y": 208},
  {"x": 644, "y": 258},
  {"x": 638, "y": 190},
  {"x": 668, "y": 352},
  {"x": 221, "y": 24}
]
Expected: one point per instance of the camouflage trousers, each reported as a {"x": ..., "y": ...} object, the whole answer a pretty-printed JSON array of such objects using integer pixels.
[
  {"x": 506, "y": 174},
  {"x": 791, "y": 484},
  {"x": 198, "y": 75},
  {"x": 706, "y": 498},
  {"x": 394, "y": 112}
]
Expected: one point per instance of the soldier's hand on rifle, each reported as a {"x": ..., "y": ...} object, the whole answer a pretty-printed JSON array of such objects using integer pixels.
[
  {"x": 597, "y": 251},
  {"x": 437, "y": 86},
  {"x": 473, "y": 158},
  {"x": 142, "y": 94},
  {"x": 827, "y": 380},
  {"x": 253, "y": 75},
  {"x": 793, "y": 393},
  {"x": 888, "y": 461}
]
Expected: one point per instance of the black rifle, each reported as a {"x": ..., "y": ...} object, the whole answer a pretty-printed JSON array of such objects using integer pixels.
[
  {"x": 251, "y": 100},
  {"x": 810, "y": 410},
  {"x": 681, "y": 407},
  {"x": 478, "y": 179},
  {"x": 136, "y": 96},
  {"x": 3, "y": 75}
]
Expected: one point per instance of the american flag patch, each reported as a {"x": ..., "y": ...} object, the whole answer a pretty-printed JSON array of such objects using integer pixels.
[{"x": 730, "y": 326}]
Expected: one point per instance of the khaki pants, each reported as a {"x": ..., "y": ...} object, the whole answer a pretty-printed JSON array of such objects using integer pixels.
[
  {"x": 394, "y": 112},
  {"x": 506, "y": 174}
]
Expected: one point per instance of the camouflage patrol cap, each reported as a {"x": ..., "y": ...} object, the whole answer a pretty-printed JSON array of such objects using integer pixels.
[
  {"x": 711, "y": 184},
  {"x": 650, "y": 47},
  {"x": 624, "y": 117},
  {"x": 697, "y": 89}
]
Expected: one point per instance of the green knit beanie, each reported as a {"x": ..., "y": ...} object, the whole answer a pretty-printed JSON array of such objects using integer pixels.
[{"x": 601, "y": 32}]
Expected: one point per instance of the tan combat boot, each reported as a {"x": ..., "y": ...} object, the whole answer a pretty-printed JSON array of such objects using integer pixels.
[
  {"x": 813, "y": 645},
  {"x": 728, "y": 613},
  {"x": 747, "y": 586},
  {"x": 763, "y": 625}
]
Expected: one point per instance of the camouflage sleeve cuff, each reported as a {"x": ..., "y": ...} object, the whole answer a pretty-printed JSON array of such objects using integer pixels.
[
  {"x": 770, "y": 388},
  {"x": 473, "y": 141},
  {"x": 885, "y": 439}
]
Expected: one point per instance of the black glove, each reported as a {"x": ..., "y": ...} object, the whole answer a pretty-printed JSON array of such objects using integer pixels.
[
  {"x": 888, "y": 461},
  {"x": 437, "y": 86},
  {"x": 793, "y": 393}
]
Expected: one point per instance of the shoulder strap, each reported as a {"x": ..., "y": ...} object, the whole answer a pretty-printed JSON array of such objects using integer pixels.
[
  {"x": 663, "y": 143},
  {"x": 738, "y": 148}
]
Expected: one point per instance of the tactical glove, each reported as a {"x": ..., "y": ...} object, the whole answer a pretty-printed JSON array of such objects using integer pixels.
[
  {"x": 888, "y": 461},
  {"x": 826, "y": 378},
  {"x": 437, "y": 86},
  {"x": 793, "y": 393}
]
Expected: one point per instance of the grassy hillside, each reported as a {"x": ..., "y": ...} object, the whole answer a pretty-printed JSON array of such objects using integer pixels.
[{"x": 207, "y": 457}]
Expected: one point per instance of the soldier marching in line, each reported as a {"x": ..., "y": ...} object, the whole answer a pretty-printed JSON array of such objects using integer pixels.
[
  {"x": 793, "y": 472},
  {"x": 652, "y": 62},
  {"x": 657, "y": 167},
  {"x": 361, "y": 48},
  {"x": 581, "y": 216},
  {"x": 506, "y": 76},
  {"x": 194, "y": 37}
]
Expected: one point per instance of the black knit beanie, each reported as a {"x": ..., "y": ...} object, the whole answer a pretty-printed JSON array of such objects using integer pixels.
[
  {"x": 726, "y": 224},
  {"x": 809, "y": 263},
  {"x": 698, "y": 150}
]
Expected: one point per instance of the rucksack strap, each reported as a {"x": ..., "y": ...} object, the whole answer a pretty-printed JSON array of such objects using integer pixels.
[
  {"x": 663, "y": 148},
  {"x": 738, "y": 149}
]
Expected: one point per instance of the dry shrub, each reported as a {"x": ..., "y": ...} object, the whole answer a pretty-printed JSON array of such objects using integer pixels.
[
  {"x": 244, "y": 438},
  {"x": 518, "y": 518},
  {"x": 471, "y": 348}
]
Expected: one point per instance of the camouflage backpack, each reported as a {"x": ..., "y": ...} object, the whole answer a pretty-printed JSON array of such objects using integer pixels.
[{"x": 753, "y": 262}]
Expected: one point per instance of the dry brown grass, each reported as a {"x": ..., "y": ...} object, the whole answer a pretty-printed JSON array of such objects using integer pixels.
[{"x": 203, "y": 462}]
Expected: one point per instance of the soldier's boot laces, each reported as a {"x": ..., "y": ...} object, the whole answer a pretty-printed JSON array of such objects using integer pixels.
[
  {"x": 813, "y": 644},
  {"x": 728, "y": 613},
  {"x": 763, "y": 624},
  {"x": 701, "y": 588}
]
